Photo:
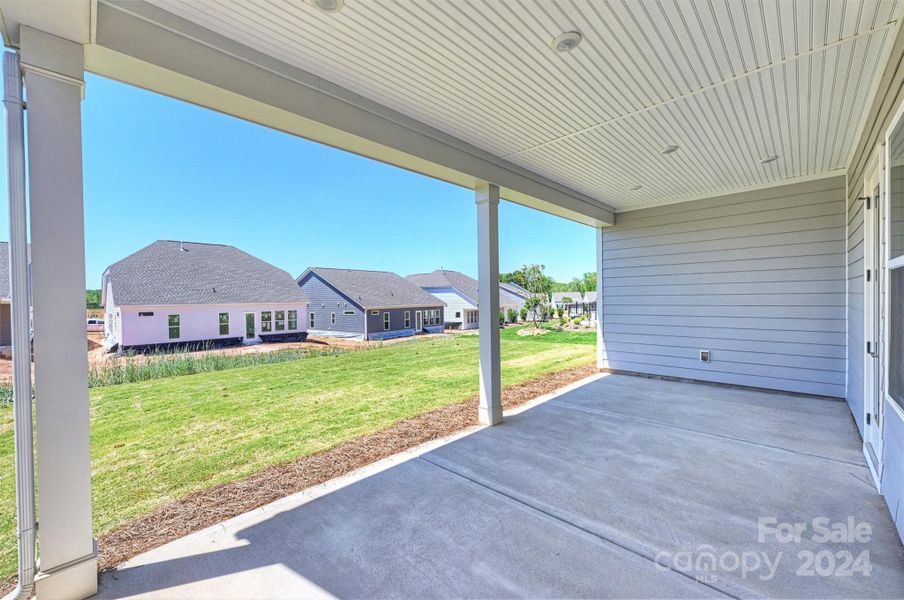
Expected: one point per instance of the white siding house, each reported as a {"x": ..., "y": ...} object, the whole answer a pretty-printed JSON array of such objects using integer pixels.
[
  {"x": 172, "y": 293},
  {"x": 459, "y": 292}
]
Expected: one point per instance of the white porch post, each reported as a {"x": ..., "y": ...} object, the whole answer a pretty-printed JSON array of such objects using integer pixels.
[
  {"x": 601, "y": 360},
  {"x": 53, "y": 70},
  {"x": 490, "y": 411}
]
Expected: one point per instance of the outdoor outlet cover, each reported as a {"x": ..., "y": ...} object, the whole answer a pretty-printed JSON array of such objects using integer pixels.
[{"x": 704, "y": 355}]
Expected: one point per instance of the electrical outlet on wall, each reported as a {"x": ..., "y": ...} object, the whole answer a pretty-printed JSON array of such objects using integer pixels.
[{"x": 705, "y": 356}]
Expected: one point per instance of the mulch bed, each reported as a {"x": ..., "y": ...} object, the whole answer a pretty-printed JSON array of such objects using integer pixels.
[{"x": 209, "y": 507}]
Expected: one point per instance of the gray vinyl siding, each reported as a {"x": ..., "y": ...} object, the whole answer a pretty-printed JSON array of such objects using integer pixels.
[
  {"x": 324, "y": 300},
  {"x": 397, "y": 319},
  {"x": 889, "y": 96},
  {"x": 757, "y": 278}
]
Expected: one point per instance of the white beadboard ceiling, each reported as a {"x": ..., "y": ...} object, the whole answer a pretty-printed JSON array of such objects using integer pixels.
[{"x": 729, "y": 82}]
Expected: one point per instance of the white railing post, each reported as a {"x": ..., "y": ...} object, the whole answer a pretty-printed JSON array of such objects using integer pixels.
[
  {"x": 601, "y": 361},
  {"x": 53, "y": 69},
  {"x": 490, "y": 410}
]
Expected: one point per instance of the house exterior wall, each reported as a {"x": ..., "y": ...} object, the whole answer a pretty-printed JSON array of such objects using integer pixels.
[
  {"x": 6, "y": 333},
  {"x": 324, "y": 301},
  {"x": 397, "y": 328},
  {"x": 889, "y": 96},
  {"x": 198, "y": 322},
  {"x": 456, "y": 304},
  {"x": 756, "y": 278}
]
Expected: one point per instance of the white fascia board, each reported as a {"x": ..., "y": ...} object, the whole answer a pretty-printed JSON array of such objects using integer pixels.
[{"x": 145, "y": 46}]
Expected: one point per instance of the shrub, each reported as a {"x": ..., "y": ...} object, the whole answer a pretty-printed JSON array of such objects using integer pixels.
[
  {"x": 561, "y": 311},
  {"x": 524, "y": 312},
  {"x": 512, "y": 315},
  {"x": 501, "y": 318}
]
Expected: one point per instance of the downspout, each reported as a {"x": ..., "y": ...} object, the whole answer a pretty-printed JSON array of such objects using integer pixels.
[{"x": 19, "y": 318}]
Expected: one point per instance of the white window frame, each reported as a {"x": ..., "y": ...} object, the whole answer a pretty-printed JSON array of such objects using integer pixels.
[
  {"x": 332, "y": 318},
  {"x": 311, "y": 319},
  {"x": 266, "y": 325},
  {"x": 277, "y": 320},
  {"x": 387, "y": 321},
  {"x": 289, "y": 320},
  {"x": 220, "y": 323},
  {"x": 407, "y": 319},
  {"x": 178, "y": 326}
]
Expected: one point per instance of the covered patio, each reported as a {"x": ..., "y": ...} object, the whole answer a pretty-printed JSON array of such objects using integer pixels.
[
  {"x": 742, "y": 165},
  {"x": 621, "y": 487}
]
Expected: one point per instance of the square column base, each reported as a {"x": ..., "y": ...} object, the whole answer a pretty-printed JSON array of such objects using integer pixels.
[{"x": 74, "y": 581}]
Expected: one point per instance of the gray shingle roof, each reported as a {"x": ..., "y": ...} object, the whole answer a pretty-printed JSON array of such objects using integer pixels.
[
  {"x": 171, "y": 272},
  {"x": 375, "y": 289},
  {"x": 575, "y": 296},
  {"x": 458, "y": 281}
]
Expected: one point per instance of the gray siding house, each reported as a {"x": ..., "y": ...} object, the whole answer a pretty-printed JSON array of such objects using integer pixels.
[{"x": 367, "y": 305}]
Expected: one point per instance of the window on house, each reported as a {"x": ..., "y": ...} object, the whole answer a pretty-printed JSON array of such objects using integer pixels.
[
  {"x": 293, "y": 320},
  {"x": 332, "y": 318},
  {"x": 311, "y": 320},
  {"x": 386, "y": 321},
  {"x": 407, "y": 319},
  {"x": 458, "y": 314},
  {"x": 145, "y": 314},
  {"x": 280, "y": 320},
  {"x": 174, "y": 327},
  {"x": 224, "y": 323},
  {"x": 266, "y": 321},
  {"x": 349, "y": 313},
  {"x": 374, "y": 312}
]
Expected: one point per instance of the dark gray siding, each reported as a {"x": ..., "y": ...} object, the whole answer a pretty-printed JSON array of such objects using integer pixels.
[
  {"x": 323, "y": 301},
  {"x": 6, "y": 334},
  {"x": 757, "y": 278},
  {"x": 397, "y": 319}
]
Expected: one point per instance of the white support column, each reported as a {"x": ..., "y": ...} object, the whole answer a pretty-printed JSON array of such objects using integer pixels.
[
  {"x": 490, "y": 411},
  {"x": 601, "y": 361},
  {"x": 53, "y": 70}
]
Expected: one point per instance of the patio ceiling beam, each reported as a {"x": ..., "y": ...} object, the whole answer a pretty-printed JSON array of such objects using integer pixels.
[{"x": 143, "y": 45}]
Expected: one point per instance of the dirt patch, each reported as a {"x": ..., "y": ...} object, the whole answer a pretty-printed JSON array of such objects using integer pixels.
[
  {"x": 209, "y": 507},
  {"x": 529, "y": 331}
]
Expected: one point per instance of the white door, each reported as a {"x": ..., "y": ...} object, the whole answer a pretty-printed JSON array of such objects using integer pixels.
[
  {"x": 418, "y": 321},
  {"x": 874, "y": 278}
]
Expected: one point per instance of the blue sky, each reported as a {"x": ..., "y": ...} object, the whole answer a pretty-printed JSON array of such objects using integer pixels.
[{"x": 157, "y": 168}]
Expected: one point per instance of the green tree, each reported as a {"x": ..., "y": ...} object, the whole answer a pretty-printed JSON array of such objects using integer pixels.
[{"x": 92, "y": 298}]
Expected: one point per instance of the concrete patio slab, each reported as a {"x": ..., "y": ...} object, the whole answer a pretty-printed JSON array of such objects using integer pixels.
[{"x": 623, "y": 487}]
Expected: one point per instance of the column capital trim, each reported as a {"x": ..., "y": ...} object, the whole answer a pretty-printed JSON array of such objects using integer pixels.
[{"x": 487, "y": 193}]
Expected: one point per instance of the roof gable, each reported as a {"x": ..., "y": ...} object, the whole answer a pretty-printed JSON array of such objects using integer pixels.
[{"x": 465, "y": 285}]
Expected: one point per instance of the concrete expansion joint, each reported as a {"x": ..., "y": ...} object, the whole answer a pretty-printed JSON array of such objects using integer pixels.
[{"x": 570, "y": 524}]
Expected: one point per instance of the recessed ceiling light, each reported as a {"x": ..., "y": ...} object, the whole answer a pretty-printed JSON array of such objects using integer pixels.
[
  {"x": 669, "y": 149},
  {"x": 567, "y": 42},
  {"x": 769, "y": 159},
  {"x": 329, "y": 6},
  {"x": 636, "y": 187}
]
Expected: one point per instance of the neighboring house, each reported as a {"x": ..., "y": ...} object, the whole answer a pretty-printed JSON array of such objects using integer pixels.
[
  {"x": 368, "y": 305},
  {"x": 173, "y": 293},
  {"x": 459, "y": 292},
  {"x": 575, "y": 303},
  {"x": 6, "y": 339}
]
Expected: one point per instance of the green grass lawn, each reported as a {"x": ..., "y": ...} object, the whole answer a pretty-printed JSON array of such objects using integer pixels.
[{"x": 156, "y": 441}]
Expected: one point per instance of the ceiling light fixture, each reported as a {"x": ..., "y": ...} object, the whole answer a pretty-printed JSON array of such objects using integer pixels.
[
  {"x": 329, "y": 6},
  {"x": 769, "y": 159},
  {"x": 669, "y": 149},
  {"x": 567, "y": 42}
]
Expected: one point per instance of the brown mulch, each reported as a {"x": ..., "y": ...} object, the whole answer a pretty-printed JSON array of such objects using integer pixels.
[{"x": 209, "y": 507}]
